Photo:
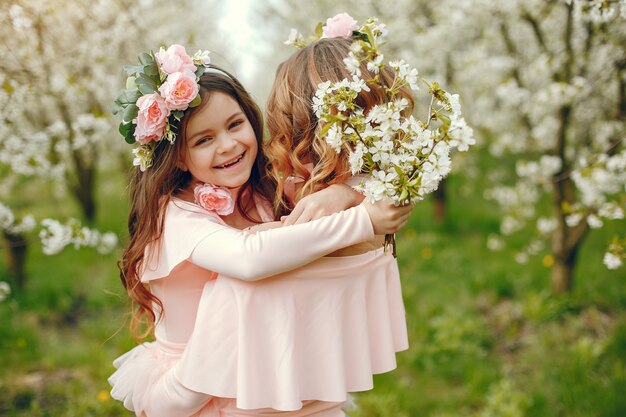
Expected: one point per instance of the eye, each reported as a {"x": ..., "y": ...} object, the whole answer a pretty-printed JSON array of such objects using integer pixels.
[
  {"x": 236, "y": 123},
  {"x": 202, "y": 140}
]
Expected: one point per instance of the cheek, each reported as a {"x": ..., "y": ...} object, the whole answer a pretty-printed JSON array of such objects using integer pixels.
[
  {"x": 196, "y": 159},
  {"x": 253, "y": 146},
  {"x": 253, "y": 149}
]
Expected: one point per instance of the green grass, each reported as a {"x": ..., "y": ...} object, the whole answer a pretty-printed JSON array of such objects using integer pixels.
[{"x": 487, "y": 338}]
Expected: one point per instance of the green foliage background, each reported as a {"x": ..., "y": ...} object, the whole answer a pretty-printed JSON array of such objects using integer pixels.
[{"x": 486, "y": 336}]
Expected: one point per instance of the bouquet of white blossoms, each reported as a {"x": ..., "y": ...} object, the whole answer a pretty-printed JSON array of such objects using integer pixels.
[{"x": 403, "y": 158}]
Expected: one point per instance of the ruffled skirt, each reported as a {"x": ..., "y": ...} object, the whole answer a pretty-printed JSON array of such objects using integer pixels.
[
  {"x": 315, "y": 333},
  {"x": 139, "y": 368}
]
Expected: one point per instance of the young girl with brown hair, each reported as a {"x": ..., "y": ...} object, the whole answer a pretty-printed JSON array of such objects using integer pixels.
[{"x": 179, "y": 244}]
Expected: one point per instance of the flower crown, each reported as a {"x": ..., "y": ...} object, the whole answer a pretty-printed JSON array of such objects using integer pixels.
[{"x": 157, "y": 93}]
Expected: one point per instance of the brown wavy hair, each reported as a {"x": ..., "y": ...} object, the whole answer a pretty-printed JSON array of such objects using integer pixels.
[
  {"x": 150, "y": 192},
  {"x": 292, "y": 125}
]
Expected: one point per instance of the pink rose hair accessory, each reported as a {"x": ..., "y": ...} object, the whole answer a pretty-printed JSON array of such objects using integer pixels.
[
  {"x": 151, "y": 118},
  {"x": 340, "y": 25},
  {"x": 212, "y": 198},
  {"x": 174, "y": 59},
  {"x": 179, "y": 90},
  {"x": 157, "y": 93}
]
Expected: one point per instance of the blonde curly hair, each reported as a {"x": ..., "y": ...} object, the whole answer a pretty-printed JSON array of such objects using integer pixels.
[{"x": 294, "y": 129}]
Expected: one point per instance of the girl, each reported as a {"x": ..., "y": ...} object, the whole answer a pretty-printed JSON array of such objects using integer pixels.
[
  {"x": 176, "y": 247},
  {"x": 314, "y": 333},
  {"x": 295, "y": 149}
]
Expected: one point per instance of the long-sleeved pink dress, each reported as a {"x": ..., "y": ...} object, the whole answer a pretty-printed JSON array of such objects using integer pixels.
[{"x": 290, "y": 345}]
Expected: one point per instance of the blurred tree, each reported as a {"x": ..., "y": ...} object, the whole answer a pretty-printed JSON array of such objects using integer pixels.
[
  {"x": 559, "y": 97},
  {"x": 543, "y": 83},
  {"x": 61, "y": 68}
]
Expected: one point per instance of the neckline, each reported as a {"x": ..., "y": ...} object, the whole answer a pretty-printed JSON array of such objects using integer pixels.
[{"x": 263, "y": 208}]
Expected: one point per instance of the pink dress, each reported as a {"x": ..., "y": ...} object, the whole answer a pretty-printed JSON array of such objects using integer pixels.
[{"x": 296, "y": 342}]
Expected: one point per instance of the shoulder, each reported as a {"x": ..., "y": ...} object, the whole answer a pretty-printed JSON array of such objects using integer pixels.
[
  {"x": 185, "y": 225},
  {"x": 180, "y": 211}
]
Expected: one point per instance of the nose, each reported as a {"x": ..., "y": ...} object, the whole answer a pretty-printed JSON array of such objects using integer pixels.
[{"x": 226, "y": 143}]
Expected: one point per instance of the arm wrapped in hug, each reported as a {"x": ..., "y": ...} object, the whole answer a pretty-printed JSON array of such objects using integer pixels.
[{"x": 193, "y": 234}]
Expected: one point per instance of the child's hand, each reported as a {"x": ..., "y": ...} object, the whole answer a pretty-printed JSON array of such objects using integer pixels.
[
  {"x": 330, "y": 200},
  {"x": 387, "y": 218}
]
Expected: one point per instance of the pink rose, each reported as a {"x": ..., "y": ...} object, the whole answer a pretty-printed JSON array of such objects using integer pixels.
[
  {"x": 212, "y": 198},
  {"x": 174, "y": 59},
  {"x": 179, "y": 89},
  {"x": 151, "y": 118},
  {"x": 339, "y": 26}
]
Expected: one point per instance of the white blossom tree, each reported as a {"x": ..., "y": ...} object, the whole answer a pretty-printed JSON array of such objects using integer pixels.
[
  {"x": 543, "y": 82},
  {"x": 560, "y": 96},
  {"x": 61, "y": 67}
]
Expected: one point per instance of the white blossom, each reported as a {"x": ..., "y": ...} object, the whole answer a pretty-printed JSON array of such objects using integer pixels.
[
  {"x": 353, "y": 64},
  {"x": 611, "y": 210},
  {"x": 455, "y": 105},
  {"x": 462, "y": 135},
  {"x": 334, "y": 137},
  {"x": 612, "y": 261},
  {"x": 6, "y": 217},
  {"x": 5, "y": 290},
  {"x": 55, "y": 236},
  {"x": 546, "y": 225},
  {"x": 573, "y": 220},
  {"x": 203, "y": 57},
  {"x": 495, "y": 243},
  {"x": 143, "y": 157},
  {"x": 521, "y": 258},
  {"x": 12, "y": 225},
  {"x": 594, "y": 221}
]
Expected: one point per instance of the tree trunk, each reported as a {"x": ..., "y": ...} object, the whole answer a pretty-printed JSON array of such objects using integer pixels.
[
  {"x": 563, "y": 270},
  {"x": 84, "y": 161},
  {"x": 84, "y": 189},
  {"x": 16, "y": 258},
  {"x": 439, "y": 209}
]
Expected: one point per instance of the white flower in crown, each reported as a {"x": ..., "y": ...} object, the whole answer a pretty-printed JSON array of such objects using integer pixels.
[
  {"x": 143, "y": 156},
  {"x": 353, "y": 64},
  {"x": 202, "y": 57},
  {"x": 295, "y": 38}
]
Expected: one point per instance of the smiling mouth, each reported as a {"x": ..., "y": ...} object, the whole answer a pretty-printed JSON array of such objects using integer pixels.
[{"x": 231, "y": 163}]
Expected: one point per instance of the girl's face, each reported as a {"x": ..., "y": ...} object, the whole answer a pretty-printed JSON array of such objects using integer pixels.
[{"x": 221, "y": 144}]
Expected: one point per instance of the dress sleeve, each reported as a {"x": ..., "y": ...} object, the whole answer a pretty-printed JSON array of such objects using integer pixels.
[
  {"x": 193, "y": 234},
  {"x": 184, "y": 226},
  {"x": 250, "y": 257}
]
